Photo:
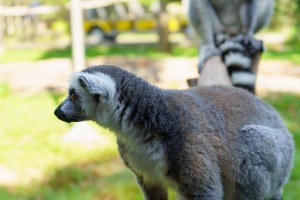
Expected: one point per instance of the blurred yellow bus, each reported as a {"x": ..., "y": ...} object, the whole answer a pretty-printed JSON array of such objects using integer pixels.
[{"x": 106, "y": 22}]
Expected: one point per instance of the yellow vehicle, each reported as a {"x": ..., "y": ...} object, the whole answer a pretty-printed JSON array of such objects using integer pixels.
[{"x": 106, "y": 22}]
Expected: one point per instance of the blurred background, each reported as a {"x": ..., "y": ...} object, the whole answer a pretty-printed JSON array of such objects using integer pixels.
[{"x": 44, "y": 158}]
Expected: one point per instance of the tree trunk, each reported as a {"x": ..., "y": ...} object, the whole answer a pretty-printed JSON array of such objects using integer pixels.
[{"x": 214, "y": 73}]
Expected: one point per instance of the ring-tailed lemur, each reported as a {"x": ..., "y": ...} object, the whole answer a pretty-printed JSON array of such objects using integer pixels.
[
  {"x": 207, "y": 143},
  {"x": 229, "y": 19}
]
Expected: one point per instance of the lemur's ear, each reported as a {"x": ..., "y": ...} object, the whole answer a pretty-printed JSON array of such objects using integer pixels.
[{"x": 102, "y": 86}]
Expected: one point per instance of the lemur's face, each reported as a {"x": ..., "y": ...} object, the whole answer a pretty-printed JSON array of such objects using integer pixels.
[{"x": 90, "y": 98}]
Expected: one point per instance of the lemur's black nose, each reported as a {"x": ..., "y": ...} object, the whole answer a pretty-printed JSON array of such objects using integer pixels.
[{"x": 61, "y": 115}]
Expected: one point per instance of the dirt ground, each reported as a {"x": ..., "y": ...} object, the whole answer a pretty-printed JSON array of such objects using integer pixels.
[{"x": 53, "y": 74}]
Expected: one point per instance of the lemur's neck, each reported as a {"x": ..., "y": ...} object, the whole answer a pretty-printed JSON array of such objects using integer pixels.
[
  {"x": 138, "y": 99},
  {"x": 146, "y": 105}
]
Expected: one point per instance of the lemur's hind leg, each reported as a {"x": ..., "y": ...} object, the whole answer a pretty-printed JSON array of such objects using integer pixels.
[{"x": 262, "y": 162}]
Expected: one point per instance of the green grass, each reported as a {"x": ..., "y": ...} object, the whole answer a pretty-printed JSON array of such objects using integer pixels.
[
  {"x": 49, "y": 169},
  {"x": 131, "y": 50},
  {"x": 291, "y": 54},
  {"x": 32, "y": 139}
]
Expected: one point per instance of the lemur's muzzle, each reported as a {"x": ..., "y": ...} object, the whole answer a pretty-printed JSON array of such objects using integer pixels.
[
  {"x": 67, "y": 112},
  {"x": 61, "y": 115}
]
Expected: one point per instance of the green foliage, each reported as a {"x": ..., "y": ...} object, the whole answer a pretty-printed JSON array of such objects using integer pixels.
[
  {"x": 285, "y": 13},
  {"x": 147, "y": 3},
  {"x": 286, "y": 16},
  {"x": 55, "y": 2}
]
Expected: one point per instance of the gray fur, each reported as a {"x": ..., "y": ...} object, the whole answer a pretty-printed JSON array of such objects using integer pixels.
[
  {"x": 207, "y": 143},
  {"x": 232, "y": 17}
]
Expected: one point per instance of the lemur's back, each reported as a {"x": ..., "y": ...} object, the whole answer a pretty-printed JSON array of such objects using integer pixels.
[{"x": 239, "y": 107}]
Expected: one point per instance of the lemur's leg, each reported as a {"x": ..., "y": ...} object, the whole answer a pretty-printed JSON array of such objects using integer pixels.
[
  {"x": 196, "y": 175},
  {"x": 264, "y": 14},
  {"x": 262, "y": 153},
  {"x": 152, "y": 191},
  {"x": 249, "y": 16},
  {"x": 206, "y": 23}
]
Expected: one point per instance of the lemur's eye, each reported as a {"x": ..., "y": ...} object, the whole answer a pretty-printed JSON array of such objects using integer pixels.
[{"x": 73, "y": 96}]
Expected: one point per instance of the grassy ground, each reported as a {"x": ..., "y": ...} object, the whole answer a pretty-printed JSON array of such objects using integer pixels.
[
  {"x": 48, "y": 168},
  {"x": 291, "y": 54},
  {"x": 131, "y": 50}
]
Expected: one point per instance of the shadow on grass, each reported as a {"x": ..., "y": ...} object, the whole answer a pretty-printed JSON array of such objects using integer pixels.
[{"x": 105, "y": 180}]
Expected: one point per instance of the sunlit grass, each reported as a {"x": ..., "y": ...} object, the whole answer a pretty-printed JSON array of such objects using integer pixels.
[{"x": 290, "y": 54}]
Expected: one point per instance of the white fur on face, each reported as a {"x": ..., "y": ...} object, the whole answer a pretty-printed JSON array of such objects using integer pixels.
[
  {"x": 99, "y": 81},
  {"x": 102, "y": 85}
]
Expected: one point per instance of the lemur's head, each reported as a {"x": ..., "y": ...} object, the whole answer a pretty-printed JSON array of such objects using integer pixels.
[{"x": 91, "y": 97}]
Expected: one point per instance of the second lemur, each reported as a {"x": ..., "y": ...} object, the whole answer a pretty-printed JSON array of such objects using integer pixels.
[{"x": 217, "y": 20}]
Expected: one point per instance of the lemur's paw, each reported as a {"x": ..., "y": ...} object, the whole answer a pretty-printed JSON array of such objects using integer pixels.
[
  {"x": 253, "y": 45},
  {"x": 220, "y": 38},
  {"x": 206, "y": 52}
]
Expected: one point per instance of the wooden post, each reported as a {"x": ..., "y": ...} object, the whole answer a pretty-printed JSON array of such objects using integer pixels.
[
  {"x": 78, "y": 48},
  {"x": 214, "y": 72}
]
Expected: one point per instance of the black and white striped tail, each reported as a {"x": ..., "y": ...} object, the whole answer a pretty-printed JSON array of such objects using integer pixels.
[{"x": 240, "y": 61}]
